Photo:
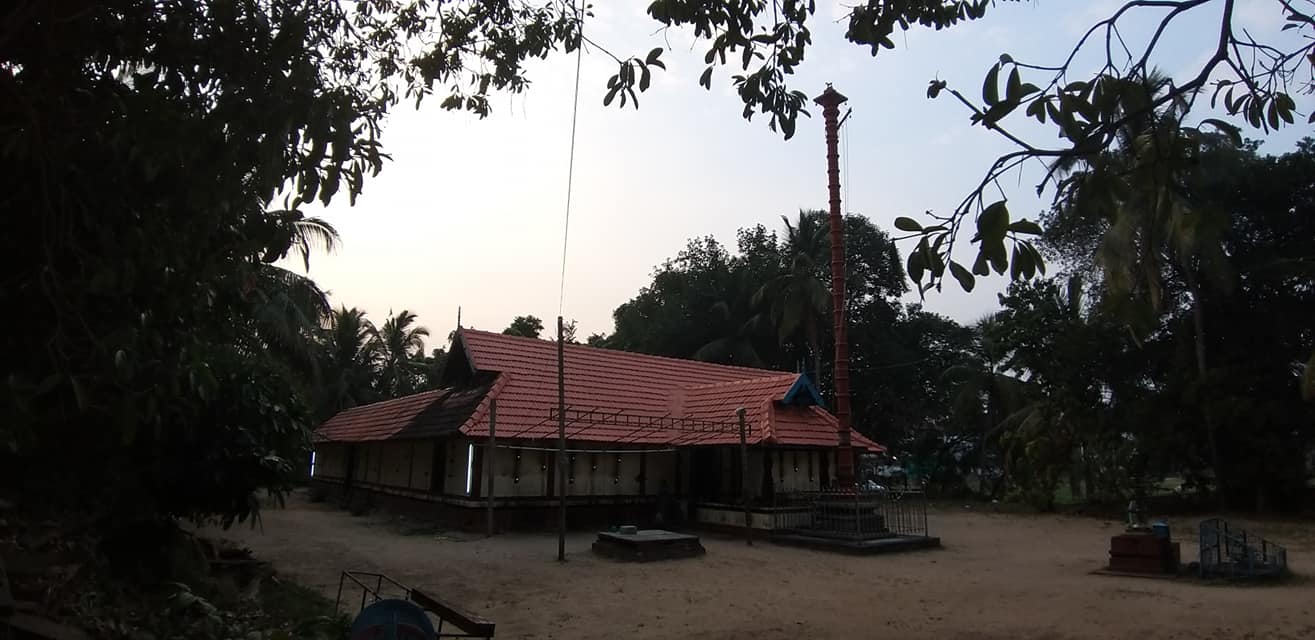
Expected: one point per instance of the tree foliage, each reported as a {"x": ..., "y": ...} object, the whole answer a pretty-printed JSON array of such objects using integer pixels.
[
  {"x": 1114, "y": 410},
  {"x": 157, "y": 156},
  {"x": 525, "y": 327},
  {"x": 744, "y": 308}
]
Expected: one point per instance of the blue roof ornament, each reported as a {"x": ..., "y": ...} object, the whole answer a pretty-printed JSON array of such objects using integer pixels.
[{"x": 803, "y": 394}]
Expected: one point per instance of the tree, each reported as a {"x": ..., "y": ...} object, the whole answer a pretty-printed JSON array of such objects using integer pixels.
[
  {"x": 695, "y": 302},
  {"x": 1253, "y": 382},
  {"x": 797, "y": 300},
  {"x": 401, "y": 347},
  {"x": 525, "y": 327},
  {"x": 1117, "y": 413},
  {"x": 431, "y": 372},
  {"x": 1155, "y": 226},
  {"x": 900, "y": 397},
  {"x": 984, "y": 393},
  {"x": 144, "y": 273},
  {"x": 1256, "y": 79},
  {"x": 351, "y": 361},
  {"x": 569, "y": 328}
]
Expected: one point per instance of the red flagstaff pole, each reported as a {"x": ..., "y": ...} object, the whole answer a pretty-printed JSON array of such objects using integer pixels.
[{"x": 831, "y": 101}]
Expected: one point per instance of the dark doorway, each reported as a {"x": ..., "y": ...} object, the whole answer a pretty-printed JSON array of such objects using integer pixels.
[{"x": 706, "y": 468}]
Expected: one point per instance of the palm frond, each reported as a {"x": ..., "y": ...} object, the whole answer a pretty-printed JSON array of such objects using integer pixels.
[{"x": 313, "y": 233}]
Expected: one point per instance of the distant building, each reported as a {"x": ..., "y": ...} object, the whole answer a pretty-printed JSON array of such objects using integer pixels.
[{"x": 642, "y": 430}]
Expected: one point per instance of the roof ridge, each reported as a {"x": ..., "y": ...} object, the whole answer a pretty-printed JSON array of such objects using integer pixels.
[
  {"x": 634, "y": 354},
  {"x": 380, "y": 404},
  {"x": 744, "y": 381}
]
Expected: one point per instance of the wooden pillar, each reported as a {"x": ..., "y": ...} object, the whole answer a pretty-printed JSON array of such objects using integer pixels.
[
  {"x": 561, "y": 442},
  {"x": 643, "y": 473},
  {"x": 490, "y": 455},
  {"x": 744, "y": 478}
]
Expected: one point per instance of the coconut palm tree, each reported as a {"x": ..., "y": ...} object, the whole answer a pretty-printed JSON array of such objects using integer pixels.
[
  {"x": 737, "y": 325},
  {"x": 287, "y": 309},
  {"x": 796, "y": 302},
  {"x": 401, "y": 349},
  {"x": 985, "y": 395},
  {"x": 1156, "y": 233},
  {"x": 350, "y": 361}
]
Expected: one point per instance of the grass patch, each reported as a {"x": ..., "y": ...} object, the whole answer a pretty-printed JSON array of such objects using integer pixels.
[{"x": 295, "y": 611}]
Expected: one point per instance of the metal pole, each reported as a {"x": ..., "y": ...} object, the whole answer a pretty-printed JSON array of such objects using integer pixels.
[
  {"x": 337, "y": 602},
  {"x": 490, "y": 450},
  {"x": 923, "y": 498},
  {"x": 744, "y": 478},
  {"x": 561, "y": 444}
]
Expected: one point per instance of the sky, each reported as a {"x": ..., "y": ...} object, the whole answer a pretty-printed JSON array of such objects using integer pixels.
[{"x": 470, "y": 212}]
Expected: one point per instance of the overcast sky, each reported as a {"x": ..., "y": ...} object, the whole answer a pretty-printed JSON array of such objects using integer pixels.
[{"x": 469, "y": 212}]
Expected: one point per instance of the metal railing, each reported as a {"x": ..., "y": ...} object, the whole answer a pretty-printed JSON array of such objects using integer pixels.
[
  {"x": 852, "y": 514},
  {"x": 1231, "y": 552},
  {"x": 466, "y": 624}
]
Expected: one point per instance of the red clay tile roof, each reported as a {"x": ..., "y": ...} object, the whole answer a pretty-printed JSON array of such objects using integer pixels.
[
  {"x": 650, "y": 400},
  {"x": 422, "y": 415},
  {"x": 637, "y": 386},
  {"x": 376, "y": 421}
]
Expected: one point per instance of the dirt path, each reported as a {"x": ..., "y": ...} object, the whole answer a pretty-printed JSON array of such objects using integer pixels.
[{"x": 999, "y": 576}]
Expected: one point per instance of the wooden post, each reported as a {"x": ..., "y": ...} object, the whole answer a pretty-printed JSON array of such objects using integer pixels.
[
  {"x": 490, "y": 451},
  {"x": 744, "y": 478},
  {"x": 561, "y": 444}
]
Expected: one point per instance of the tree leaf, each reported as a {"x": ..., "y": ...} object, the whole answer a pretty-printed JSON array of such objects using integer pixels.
[
  {"x": 1039, "y": 261},
  {"x": 934, "y": 88},
  {"x": 1014, "y": 89},
  {"x": 916, "y": 266},
  {"x": 990, "y": 87},
  {"x": 966, "y": 279},
  {"x": 1026, "y": 226},
  {"x": 997, "y": 254},
  {"x": 706, "y": 79},
  {"x": 1234, "y": 133},
  {"x": 1037, "y": 109},
  {"x": 907, "y": 224},
  {"x": 993, "y": 221}
]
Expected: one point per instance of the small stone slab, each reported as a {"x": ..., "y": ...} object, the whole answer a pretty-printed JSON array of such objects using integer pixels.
[{"x": 646, "y": 545}]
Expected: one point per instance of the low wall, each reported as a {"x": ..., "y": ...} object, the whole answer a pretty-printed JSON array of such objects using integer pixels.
[
  {"x": 725, "y": 516},
  {"x": 509, "y": 513}
]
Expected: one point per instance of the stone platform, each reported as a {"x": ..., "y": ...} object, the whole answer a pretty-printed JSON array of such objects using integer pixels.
[
  {"x": 647, "y": 545},
  {"x": 887, "y": 543}
]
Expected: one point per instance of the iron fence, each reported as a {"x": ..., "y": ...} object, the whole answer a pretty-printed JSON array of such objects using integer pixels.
[
  {"x": 852, "y": 514},
  {"x": 466, "y": 625},
  {"x": 1231, "y": 552}
]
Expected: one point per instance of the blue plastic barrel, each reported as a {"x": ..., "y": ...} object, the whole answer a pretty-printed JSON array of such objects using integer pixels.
[{"x": 1160, "y": 529}]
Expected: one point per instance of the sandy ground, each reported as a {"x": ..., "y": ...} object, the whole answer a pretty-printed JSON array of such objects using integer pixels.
[{"x": 998, "y": 576}]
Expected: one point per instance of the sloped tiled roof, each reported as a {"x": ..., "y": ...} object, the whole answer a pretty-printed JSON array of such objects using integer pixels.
[
  {"x": 376, "y": 421},
  {"x": 647, "y": 400},
  {"x": 636, "y": 386},
  {"x": 421, "y": 415}
]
